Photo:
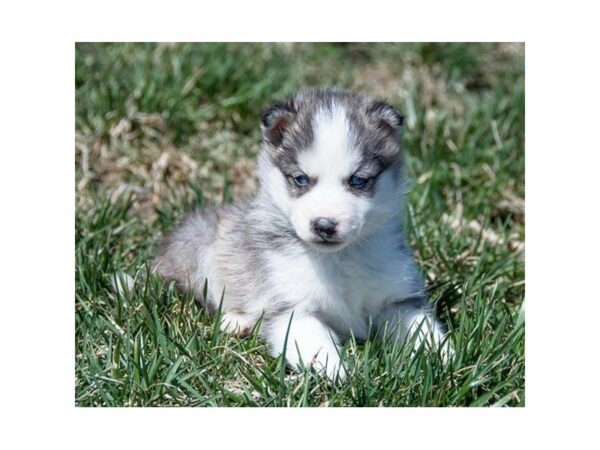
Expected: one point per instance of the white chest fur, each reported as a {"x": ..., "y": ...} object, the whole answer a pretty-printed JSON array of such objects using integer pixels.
[{"x": 348, "y": 287}]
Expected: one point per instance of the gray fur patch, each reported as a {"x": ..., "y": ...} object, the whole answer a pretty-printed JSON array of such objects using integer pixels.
[
  {"x": 376, "y": 126},
  {"x": 180, "y": 252}
]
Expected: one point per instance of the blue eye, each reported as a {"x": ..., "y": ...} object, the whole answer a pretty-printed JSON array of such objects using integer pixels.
[
  {"x": 302, "y": 180},
  {"x": 357, "y": 182}
]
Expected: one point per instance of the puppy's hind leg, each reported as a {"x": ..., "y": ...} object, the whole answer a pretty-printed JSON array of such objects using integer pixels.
[
  {"x": 183, "y": 255},
  {"x": 238, "y": 323}
]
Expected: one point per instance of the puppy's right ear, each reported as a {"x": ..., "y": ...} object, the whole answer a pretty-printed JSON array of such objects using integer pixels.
[
  {"x": 276, "y": 120},
  {"x": 387, "y": 118}
]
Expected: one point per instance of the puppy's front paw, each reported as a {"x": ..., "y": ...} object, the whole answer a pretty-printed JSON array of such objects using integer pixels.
[
  {"x": 330, "y": 365},
  {"x": 307, "y": 342}
]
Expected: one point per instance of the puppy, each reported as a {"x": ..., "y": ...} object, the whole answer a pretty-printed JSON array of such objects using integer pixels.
[{"x": 319, "y": 253}]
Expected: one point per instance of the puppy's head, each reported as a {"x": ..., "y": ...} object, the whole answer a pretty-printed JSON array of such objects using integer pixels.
[{"x": 331, "y": 161}]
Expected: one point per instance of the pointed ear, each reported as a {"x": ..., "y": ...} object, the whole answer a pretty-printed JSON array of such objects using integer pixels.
[
  {"x": 386, "y": 118},
  {"x": 276, "y": 120}
]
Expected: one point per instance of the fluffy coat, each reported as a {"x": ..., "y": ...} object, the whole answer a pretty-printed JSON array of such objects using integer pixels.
[{"x": 319, "y": 253}]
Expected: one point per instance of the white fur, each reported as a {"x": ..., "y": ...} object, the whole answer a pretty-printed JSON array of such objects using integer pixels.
[
  {"x": 332, "y": 154},
  {"x": 332, "y": 159}
]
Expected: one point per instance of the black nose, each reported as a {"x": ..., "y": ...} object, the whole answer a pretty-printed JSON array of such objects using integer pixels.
[{"x": 324, "y": 226}]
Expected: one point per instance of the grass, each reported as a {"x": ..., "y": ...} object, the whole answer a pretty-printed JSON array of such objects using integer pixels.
[{"x": 164, "y": 128}]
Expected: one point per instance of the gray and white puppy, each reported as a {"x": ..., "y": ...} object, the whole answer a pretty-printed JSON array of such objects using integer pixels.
[{"x": 320, "y": 250}]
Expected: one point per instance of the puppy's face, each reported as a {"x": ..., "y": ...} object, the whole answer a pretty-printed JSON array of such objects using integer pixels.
[{"x": 331, "y": 162}]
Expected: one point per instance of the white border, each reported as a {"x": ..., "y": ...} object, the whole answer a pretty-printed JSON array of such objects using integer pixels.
[{"x": 38, "y": 208}]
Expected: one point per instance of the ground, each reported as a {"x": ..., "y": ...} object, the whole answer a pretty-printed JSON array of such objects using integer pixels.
[{"x": 164, "y": 128}]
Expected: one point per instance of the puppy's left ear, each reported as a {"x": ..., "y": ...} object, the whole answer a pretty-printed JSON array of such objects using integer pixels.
[
  {"x": 276, "y": 120},
  {"x": 386, "y": 118}
]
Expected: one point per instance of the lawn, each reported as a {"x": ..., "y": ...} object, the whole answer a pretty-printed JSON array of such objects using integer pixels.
[{"x": 164, "y": 128}]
